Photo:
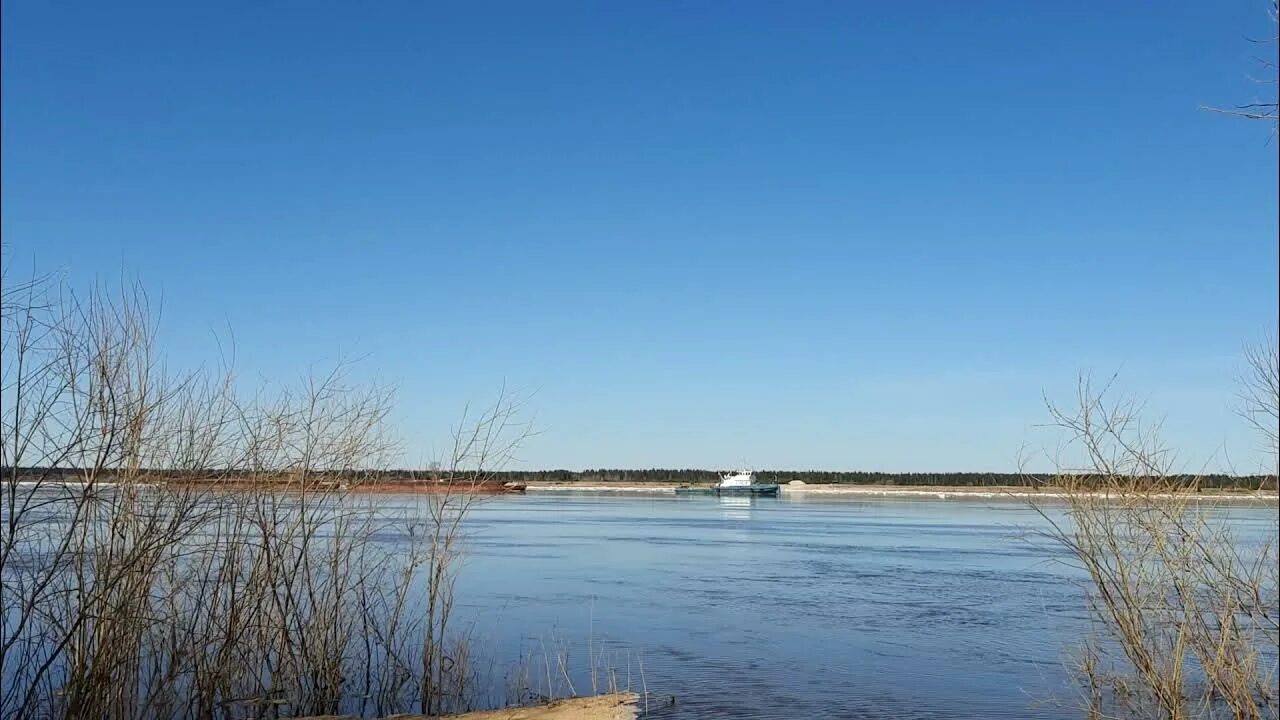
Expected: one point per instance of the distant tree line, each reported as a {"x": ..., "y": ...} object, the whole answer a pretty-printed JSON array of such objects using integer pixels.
[{"x": 694, "y": 476}]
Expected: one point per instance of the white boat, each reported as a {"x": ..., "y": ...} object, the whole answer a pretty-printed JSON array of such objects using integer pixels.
[{"x": 743, "y": 482}]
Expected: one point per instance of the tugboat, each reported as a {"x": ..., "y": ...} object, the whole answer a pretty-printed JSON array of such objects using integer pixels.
[{"x": 741, "y": 482}]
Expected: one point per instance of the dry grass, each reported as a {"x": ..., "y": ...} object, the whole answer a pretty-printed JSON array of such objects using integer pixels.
[{"x": 547, "y": 669}]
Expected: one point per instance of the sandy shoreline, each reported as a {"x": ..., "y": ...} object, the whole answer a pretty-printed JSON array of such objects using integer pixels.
[
  {"x": 924, "y": 493},
  {"x": 617, "y": 706}
]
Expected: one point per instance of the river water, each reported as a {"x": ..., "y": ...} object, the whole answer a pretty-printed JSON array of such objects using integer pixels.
[
  {"x": 790, "y": 607},
  {"x": 786, "y": 607}
]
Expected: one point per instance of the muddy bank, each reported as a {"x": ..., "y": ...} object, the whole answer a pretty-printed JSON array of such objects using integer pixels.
[{"x": 376, "y": 487}]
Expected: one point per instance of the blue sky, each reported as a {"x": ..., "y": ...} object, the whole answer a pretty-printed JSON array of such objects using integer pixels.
[{"x": 830, "y": 235}]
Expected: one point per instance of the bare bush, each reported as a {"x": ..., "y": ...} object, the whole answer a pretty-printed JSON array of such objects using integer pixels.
[
  {"x": 174, "y": 548},
  {"x": 1186, "y": 610},
  {"x": 1264, "y": 107},
  {"x": 1260, "y": 396}
]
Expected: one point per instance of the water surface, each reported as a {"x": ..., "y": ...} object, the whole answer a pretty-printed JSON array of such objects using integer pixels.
[{"x": 784, "y": 608}]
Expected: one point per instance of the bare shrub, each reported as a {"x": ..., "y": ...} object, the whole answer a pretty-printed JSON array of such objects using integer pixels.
[
  {"x": 1264, "y": 107},
  {"x": 1260, "y": 396},
  {"x": 172, "y": 547},
  {"x": 1186, "y": 612}
]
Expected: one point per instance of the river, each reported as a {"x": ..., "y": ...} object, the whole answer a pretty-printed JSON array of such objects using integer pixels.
[
  {"x": 786, "y": 607},
  {"x": 790, "y": 607}
]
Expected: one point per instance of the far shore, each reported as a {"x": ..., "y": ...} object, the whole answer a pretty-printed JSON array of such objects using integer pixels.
[
  {"x": 922, "y": 492},
  {"x": 794, "y": 489}
]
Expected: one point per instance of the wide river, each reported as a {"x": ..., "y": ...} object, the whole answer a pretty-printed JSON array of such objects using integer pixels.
[{"x": 787, "y": 607}]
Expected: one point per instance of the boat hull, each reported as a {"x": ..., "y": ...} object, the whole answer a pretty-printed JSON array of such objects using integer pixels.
[
  {"x": 746, "y": 490},
  {"x": 755, "y": 490}
]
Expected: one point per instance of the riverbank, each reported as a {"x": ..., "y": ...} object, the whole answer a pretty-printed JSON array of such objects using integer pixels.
[
  {"x": 617, "y": 706},
  {"x": 239, "y": 485},
  {"x": 376, "y": 487},
  {"x": 923, "y": 492}
]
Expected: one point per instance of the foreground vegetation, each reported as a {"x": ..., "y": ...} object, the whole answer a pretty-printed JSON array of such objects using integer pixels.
[
  {"x": 1186, "y": 614},
  {"x": 121, "y": 600}
]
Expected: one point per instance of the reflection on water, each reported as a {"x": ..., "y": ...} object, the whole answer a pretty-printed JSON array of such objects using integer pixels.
[{"x": 735, "y": 508}]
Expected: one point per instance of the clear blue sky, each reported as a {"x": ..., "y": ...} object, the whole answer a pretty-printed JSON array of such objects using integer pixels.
[{"x": 831, "y": 235}]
